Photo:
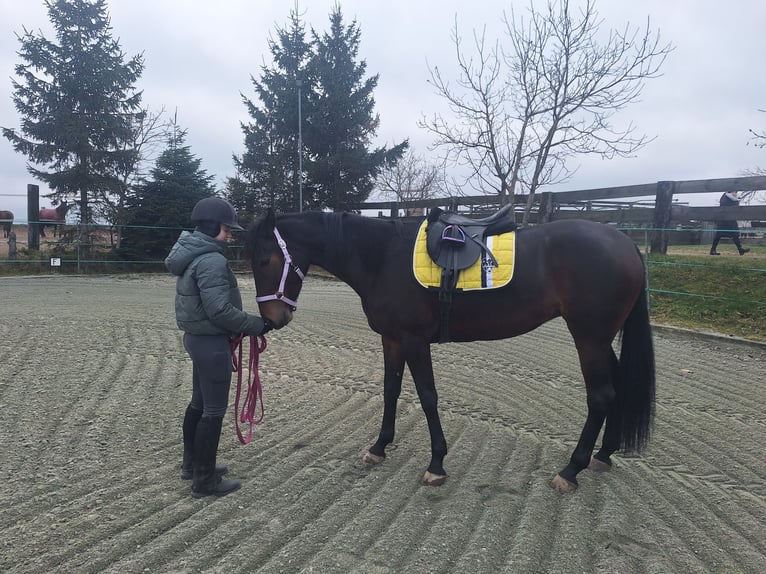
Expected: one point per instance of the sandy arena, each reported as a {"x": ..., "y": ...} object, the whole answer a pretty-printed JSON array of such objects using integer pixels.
[{"x": 95, "y": 381}]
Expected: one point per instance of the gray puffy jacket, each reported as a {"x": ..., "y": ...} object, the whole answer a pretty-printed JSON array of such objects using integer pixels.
[{"x": 208, "y": 301}]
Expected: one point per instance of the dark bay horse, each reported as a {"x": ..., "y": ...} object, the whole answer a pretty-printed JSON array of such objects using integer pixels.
[
  {"x": 588, "y": 273},
  {"x": 6, "y": 220},
  {"x": 53, "y": 217}
]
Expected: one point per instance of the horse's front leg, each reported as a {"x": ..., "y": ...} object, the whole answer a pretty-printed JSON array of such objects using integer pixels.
[
  {"x": 418, "y": 357},
  {"x": 393, "y": 361}
]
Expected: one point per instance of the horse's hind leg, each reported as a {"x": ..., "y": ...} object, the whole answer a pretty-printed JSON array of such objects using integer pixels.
[
  {"x": 596, "y": 363},
  {"x": 601, "y": 461},
  {"x": 393, "y": 360}
]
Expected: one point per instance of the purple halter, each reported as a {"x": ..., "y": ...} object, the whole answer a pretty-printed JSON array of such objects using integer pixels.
[{"x": 280, "y": 294}]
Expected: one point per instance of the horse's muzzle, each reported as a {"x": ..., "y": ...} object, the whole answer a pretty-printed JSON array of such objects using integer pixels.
[
  {"x": 285, "y": 317},
  {"x": 278, "y": 312}
]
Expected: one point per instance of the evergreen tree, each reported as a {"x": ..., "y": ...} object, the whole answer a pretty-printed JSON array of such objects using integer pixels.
[
  {"x": 77, "y": 102},
  {"x": 338, "y": 124},
  {"x": 342, "y": 169},
  {"x": 269, "y": 165},
  {"x": 238, "y": 194},
  {"x": 161, "y": 206}
]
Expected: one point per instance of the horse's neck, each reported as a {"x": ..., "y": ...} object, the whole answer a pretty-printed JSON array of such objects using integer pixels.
[
  {"x": 328, "y": 244},
  {"x": 350, "y": 248}
]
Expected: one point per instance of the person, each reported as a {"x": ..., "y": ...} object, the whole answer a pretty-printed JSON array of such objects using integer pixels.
[
  {"x": 12, "y": 245},
  {"x": 208, "y": 308},
  {"x": 728, "y": 227}
]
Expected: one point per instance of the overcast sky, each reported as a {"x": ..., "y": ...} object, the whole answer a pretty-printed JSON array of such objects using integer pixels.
[{"x": 199, "y": 56}]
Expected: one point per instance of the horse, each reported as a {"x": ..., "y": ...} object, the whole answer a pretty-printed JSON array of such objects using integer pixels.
[
  {"x": 6, "y": 220},
  {"x": 590, "y": 274},
  {"x": 53, "y": 217}
]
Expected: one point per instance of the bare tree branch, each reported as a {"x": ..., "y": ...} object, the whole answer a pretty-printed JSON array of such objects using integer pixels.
[
  {"x": 411, "y": 178},
  {"x": 758, "y": 139},
  {"x": 150, "y": 130},
  {"x": 522, "y": 111}
]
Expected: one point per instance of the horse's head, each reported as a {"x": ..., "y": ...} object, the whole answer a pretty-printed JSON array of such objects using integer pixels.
[
  {"x": 63, "y": 208},
  {"x": 278, "y": 269}
]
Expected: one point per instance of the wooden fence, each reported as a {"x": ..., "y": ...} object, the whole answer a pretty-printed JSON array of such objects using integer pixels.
[{"x": 624, "y": 206}]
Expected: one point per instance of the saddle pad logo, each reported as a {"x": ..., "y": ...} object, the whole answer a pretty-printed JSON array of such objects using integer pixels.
[{"x": 480, "y": 275}]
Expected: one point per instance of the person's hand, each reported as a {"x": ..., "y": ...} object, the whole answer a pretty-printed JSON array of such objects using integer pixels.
[{"x": 267, "y": 326}]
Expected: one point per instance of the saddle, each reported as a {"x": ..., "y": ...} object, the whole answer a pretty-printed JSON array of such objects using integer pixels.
[{"x": 455, "y": 242}]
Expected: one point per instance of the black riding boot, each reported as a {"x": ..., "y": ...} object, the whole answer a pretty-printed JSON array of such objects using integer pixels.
[
  {"x": 191, "y": 418},
  {"x": 738, "y": 243},
  {"x": 205, "y": 481},
  {"x": 713, "y": 251}
]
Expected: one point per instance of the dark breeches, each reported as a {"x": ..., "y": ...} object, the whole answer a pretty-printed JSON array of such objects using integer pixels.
[
  {"x": 211, "y": 375},
  {"x": 727, "y": 229}
]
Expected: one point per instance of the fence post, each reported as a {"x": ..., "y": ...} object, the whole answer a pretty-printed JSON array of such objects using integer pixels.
[
  {"x": 33, "y": 215},
  {"x": 546, "y": 208},
  {"x": 663, "y": 204},
  {"x": 646, "y": 272}
]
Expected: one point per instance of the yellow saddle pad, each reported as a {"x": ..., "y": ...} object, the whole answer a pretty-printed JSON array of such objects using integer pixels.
[{"x": 480, "y": 275}]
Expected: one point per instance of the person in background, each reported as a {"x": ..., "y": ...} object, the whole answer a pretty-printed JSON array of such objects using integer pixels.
[
  {"x": 12, "y": 245},
  {"x": 208, "y": 308},
  {"x": 728, "y": 227}
]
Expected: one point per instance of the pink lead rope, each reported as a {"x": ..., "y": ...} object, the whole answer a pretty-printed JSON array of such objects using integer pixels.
[{"x": 254, "y": 393}]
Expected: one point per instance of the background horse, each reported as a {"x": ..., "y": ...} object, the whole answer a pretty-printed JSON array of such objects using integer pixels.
[
  {"x": 587, "y": 273},
  {"x": 6, "y": 220},
  {"x": 53, "y": 217}
]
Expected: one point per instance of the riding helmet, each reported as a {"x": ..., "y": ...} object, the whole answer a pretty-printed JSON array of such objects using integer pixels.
[{"x": 215, "y": 209}]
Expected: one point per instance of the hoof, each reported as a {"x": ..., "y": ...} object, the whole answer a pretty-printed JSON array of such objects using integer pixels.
[
  {"x": 563, "y": 485},
  {"x": 599, "y": 465},
  {"x": 431, "y": 479},
  {"x": 370, "y": 458}
]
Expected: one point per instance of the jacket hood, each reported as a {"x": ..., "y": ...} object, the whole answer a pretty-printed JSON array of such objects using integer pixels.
[{"x": 188, "y": 247}]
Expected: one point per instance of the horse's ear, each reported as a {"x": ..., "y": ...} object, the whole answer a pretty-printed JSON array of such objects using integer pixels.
[
  {"x": 265, "y": 225},
  {"x": 270, "y": 221}
]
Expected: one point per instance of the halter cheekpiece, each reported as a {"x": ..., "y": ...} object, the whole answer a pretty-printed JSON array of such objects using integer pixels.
[{"x": 280, "y": 294}]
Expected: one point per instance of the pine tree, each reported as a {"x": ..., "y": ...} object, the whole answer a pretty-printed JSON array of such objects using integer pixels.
[
  {"x": 76, "y": 100},
  {"x": 342, "y": 169},
  {"x": 269, "y": 165},
  {"x": 338, "y": 125},
  {"x": 161, "y": 206},
  {"x": 238, "y": 194}
]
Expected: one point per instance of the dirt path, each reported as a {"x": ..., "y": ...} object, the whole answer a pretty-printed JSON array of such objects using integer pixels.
[{"x": 95, "y": 380}]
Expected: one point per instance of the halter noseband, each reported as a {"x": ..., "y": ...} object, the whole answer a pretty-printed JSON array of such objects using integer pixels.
[{"x": 280, "y": 294}]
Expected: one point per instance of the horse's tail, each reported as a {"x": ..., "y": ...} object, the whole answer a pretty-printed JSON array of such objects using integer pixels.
[{"x": 637, "y": 384}]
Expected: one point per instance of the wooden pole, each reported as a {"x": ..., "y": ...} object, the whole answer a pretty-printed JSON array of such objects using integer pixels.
[
  {"x": 33, "y": 215},
  {"x": 663, "y": 204},
  {"x": 546, "y": 207}
]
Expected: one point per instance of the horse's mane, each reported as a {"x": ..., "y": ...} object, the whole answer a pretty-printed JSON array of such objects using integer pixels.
[
  {"x": 250, "y": 242},
  {"x": 334, "y": 238},
  {"x": 339, "y": 231},
  {"x": 367, "y": 237}
]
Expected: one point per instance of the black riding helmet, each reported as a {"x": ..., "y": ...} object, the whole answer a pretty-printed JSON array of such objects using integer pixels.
[{"x": 215, "y": 209}]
